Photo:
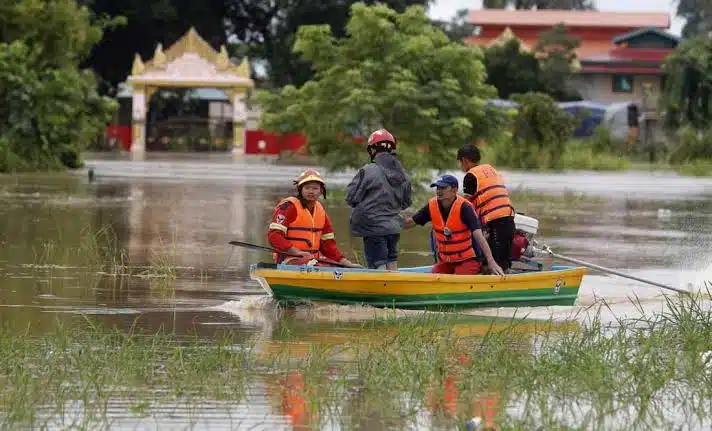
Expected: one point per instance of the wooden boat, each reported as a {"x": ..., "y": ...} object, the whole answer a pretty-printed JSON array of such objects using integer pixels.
[{"x": 417, "y": 288}]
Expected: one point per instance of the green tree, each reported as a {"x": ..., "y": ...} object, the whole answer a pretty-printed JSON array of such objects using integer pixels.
[
  {"x": 697, "y": 15},
  {"x": 147, "y": 23},
  {"x": 270, "y": 29},
  {"x": 688, "y": 87},
  {"x": 687, "y": 100},
  {"x": 556, "y": 50},
  {"x": 392, "y": 70},
  {"x": 58, "y": 31},
  {"x": 511, "y": 69},
  {"x": 458, "y": 28},
  {"x": 49, "y": 108}
]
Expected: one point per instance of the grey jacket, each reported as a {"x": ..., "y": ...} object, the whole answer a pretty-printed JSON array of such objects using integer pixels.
[{"x": 377, "y": 194}]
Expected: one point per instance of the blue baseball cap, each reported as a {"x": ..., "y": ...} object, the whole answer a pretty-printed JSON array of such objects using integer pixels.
[{"x": 445, "y": 181}]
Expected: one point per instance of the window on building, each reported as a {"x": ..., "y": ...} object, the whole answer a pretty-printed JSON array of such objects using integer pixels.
[{"x": 622, "y": 83}]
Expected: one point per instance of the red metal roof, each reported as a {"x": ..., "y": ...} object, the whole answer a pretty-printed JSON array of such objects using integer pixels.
[
  {"x": 618, "y": 55},
  {"x": 550, "y": 18},
  {"x": 608, "y": 69}
]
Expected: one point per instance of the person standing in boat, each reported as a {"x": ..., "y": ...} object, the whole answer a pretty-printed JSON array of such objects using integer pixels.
[
  {"x": 455, "y": 226},
  {"x": 484, "y": 187},
  {"x": 301, "y": 226},
  {"x": 378, "y": 193}
]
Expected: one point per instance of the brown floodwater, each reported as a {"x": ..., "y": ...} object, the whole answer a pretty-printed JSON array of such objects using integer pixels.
[{"x": 176, "y": 215}]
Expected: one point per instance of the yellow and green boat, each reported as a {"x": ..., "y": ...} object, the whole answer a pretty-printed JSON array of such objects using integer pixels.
[{"x": 417, "y": 288}]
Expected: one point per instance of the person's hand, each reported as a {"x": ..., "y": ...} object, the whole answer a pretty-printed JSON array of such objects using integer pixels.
[
  {"x": 347, "y": 263},
  {"x": 407, "y": 221},
  {"x": 494, "y": 268},
  {"x": 294, "y": 251}
]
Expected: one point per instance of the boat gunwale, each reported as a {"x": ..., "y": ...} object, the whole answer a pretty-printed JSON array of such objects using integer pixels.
[{"x": 394, "y": 276}]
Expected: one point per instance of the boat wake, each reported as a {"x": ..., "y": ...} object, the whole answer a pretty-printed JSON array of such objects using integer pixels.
[{"x": 257, "y": 309}]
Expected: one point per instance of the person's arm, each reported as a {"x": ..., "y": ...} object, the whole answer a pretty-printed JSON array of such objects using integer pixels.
[
  {"x": 355, "y": 190},
  {"x": 484, "y": 245},
  {"x": 420, "y": 218},
  {"x": 469, "y": 186},
  {"x": 284, "y": 215},
  {"x": 407, "y": 196},
  {"x": 472, "y": 222},
  {"x": 329, "y": 249}
]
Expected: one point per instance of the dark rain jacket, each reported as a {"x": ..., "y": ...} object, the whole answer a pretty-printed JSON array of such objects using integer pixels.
[{"x": 377, "y": 194}]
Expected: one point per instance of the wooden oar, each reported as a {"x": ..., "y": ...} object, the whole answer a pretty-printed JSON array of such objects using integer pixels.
[
  {"x": 545, "y": 249},
  {"x": 283, "y": 253}
]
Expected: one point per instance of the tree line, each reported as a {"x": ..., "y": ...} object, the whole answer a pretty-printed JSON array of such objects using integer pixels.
[{"x": 61, "y": 61}]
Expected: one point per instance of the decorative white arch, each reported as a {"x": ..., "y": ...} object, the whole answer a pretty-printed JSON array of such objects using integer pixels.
[{"x": 190, "y": 62}]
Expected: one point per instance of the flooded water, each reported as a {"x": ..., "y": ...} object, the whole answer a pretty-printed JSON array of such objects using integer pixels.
[{"x": 177, "y": 216}]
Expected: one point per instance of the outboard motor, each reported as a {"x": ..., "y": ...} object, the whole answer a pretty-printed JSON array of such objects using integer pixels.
[{"x": 525, "y": 229}]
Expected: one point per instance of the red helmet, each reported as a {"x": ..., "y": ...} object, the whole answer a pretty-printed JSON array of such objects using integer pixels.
[{"x": 382, "y": 138}]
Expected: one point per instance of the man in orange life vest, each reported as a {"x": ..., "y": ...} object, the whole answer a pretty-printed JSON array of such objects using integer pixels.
[
  {"x": 485, "y": 189},
  {"x": 301, "y": 226},
  {"x": 455, "y": 225}
]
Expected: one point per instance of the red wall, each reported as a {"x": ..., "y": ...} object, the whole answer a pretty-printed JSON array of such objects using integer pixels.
[
  {"x": 121, "y": 133},
  {"x": 273, "y": 144}
]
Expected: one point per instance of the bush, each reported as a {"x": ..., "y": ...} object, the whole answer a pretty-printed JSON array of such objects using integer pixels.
[
  {"x": 46, "y": 114},
  {"x": 603, "y": 141},
  {"x": 541, "y": 131},
  {"x": 697, "y": 168},
  {"x": 692, "y": 145}
]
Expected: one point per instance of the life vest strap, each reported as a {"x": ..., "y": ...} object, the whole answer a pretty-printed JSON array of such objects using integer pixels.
[
  {"x": 304, "y": 240},
  {"x": 484, "y": 213},
  {"x": 481, "y": 204},
  {"x": 455, "y": 241},
  {"x": 458, "y": 251},
  {"x": 486, "y": 189},
  {"x": 452, "y": 232},
  {"x": 306, "y": 229}
]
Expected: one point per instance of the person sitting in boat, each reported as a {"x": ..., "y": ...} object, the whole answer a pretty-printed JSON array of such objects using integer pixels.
[
  {"x": 455, "y": 225},
  {"x": 301, "y": 226}
]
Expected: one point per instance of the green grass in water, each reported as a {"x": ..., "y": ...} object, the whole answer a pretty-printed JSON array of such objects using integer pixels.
[{"x": 650, "y": 372}]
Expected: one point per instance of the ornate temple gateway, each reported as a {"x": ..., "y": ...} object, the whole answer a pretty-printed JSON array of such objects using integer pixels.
[{"x": 190, "y": 62}]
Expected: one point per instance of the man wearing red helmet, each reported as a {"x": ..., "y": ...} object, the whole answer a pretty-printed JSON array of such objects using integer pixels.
[
  {"x": 301, "y": 226},
  {"x": 378, "y": 193}
]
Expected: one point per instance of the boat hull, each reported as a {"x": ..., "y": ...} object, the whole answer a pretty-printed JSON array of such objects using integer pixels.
[{"x": 417, "y": 288}]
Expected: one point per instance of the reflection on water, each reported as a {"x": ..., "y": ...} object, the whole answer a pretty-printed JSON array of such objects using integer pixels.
[{"x": 175, "y": 233}]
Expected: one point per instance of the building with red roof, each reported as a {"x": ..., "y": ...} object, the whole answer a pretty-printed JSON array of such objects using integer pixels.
[
  {"x": 631, "y": 69},
  {"x": 620, "y": 54}
]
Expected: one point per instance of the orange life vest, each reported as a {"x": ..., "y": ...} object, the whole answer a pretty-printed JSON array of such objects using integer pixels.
[
  {"x": 452, "y": 237},
  {"x": 491, "y": 200},
  {"x": 305, "y": 231},
  {"x": 294, "y": 394}
]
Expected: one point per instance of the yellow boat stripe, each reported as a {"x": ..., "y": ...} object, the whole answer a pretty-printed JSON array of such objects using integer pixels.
[{"x": 422, "y": 283}]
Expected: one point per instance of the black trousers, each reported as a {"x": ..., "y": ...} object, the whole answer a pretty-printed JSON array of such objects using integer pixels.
[{"x": 500, "y": 236}]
